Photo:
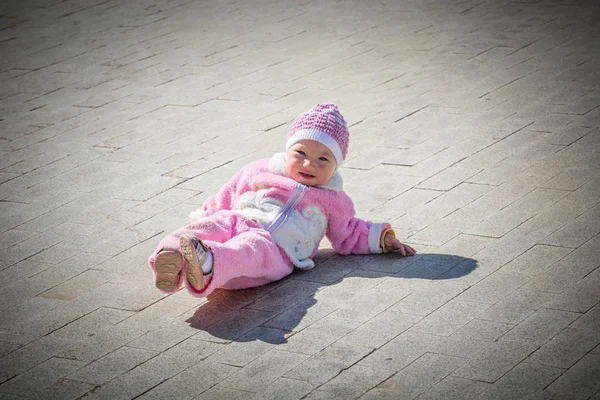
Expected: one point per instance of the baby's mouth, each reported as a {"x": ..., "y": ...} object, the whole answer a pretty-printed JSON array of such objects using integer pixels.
[{"x": 305, "y": 175}]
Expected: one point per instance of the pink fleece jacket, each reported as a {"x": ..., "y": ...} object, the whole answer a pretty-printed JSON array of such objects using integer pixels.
[{"x": 261, "y": 189}]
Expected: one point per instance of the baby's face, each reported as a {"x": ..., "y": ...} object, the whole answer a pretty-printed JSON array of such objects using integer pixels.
[{"x": 310, "y": 162}]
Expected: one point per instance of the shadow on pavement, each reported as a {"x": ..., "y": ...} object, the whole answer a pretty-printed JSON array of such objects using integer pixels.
[{"x": 274, "y": 312}]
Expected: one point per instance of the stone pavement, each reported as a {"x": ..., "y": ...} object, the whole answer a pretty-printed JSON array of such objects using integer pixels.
[{"x": 475, "y": 130}]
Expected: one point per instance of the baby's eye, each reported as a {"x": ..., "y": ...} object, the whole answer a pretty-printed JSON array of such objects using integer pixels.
[
  {"x": 300, "y": 152},
  {"x": 324, "y": 159}
]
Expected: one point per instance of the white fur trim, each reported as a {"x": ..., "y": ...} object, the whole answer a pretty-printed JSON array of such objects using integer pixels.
[
  {"x": 375, "y": 237},
  {"x": 197, "y": 215},
  {"x": 277, "y": 165},
  {"x": 335, "y": 183},
  {"x": 321, "y": 137}
]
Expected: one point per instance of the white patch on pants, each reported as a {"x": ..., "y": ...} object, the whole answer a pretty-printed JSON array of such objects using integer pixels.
[{"x": 300, "y": 235}]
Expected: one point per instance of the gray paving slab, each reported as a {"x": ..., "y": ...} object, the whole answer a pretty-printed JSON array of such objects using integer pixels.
[{"x": 475, "y": 131}]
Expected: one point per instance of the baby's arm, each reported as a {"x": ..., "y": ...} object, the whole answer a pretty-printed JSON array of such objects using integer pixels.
[
  {"x": 351, "y": 235},
  {"x": 390, "y": 243}
]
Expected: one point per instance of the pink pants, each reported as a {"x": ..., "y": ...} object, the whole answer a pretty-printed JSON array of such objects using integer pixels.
[{"x": 244, "y": 254}]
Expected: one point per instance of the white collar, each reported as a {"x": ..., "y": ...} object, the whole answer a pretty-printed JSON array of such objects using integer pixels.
[{"x": 277, "y": 165}]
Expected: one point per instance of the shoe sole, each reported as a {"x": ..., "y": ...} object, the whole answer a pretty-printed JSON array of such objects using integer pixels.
[
  {"x": 195, "y": 275},
  {"x": 167, "y": 266}
]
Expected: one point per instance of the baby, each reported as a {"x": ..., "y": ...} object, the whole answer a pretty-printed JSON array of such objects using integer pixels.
[{"x": 271, "y": 216}]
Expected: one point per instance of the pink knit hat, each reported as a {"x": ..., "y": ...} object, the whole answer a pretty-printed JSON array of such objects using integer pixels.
[{"x": 325, "y": 124}]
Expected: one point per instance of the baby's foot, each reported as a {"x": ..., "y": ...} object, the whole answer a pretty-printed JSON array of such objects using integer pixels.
[
  {"x": 196, "y": 256},
  {"x": 167, "y": 267}
]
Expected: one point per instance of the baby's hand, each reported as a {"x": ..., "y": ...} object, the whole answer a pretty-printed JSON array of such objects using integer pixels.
[{"x": 393, "y": 244}]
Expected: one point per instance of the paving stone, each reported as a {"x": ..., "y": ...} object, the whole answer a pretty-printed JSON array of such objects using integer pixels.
[
  {"x": 566, "y": 348},
  {"x": 596, "y": 396},
  {"x": 187, "y": 385},
  {"x": 102, "y": 343},
  {"x": 284, "y": 388},
  {"x": 369, "y": 304},
  {"x": 42, "y": 375},
  {"x": 64, "y": 389},
  {"x": 381, "y": 329},
  {"x": 581, "y": 296},
  {"x": 496, "y": 360},
  {"x": 402, "y": 350},
  {"x": 390, "y": 263},
  {"x": 221, "y": 392},
  {"x": 478, "y": 329},
  {"x": 588, "y": 320},
  {"x": 494, "y": 287},
  {"x": 319, "y": 335},
  {"x": 19, "y": 272},
  {"x": 236, "y": 324},
  {"x": 578, "y": 382},
  {"x": 517, "y": 307},
  {"x": 503, "y": 149},
  {"x": 302, "y": 314},
  {"x": 373, "y": 189},
  {"x": 162, "y": 338},
  {"x": 11, "y": 237},
  {"x": 568, "y": 134},
  {"x": 449, "y": 178},
  {"x": 156, "y": 370},
  {"x": 554, "y": 164},
  {"x": 521, "y": 381},
  {"x": 572, "y": 178},
  {"x": 201, "y": 313},
  {"x": 112, "y": 365},
  {"x": 450, "y": 317},
  {"x": 535, "y": 260},
  {"x": 465, "y": 245},
  {"x": 265, "y": 370},
  {"x": 7, "y": 348},
  {"x": 78, "y": 286},
  {"x": 351, "y": 286},
  {"x": 334, "y": 269},
  {"x": 88, "y": 325},
  {"x": 579, "y": 231},
  {"x": 455, "y": 223},
  {"x": 328, "y": 363},
  {"x": 134, "y": 298},
  {"x": 351, "y": 383},
  {"x": 249, "y": 347},
  {"x": 56, "y": 314},
  {"x": 317, "y": 370},
  {"x": 454, "y": 388},
  {"x": 518, "y": 162},
  {"x": 417, "y": 377},
  {"x": 32, "y": 354},
  {"x": 428, "y": 297},
  {"x": 25, "y": 249},
  {"x": 541, "y": 326},
  {"x": 510, "y": 217},
  {"x": 441, "y": 207},
  {"x": 571, "y": 268},
  {"x": 430, "y": 267}
]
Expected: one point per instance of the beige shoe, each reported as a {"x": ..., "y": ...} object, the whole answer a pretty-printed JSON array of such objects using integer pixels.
[
  {"x": 195, "y": 254},
  {"x": 167, "y": 267}
]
